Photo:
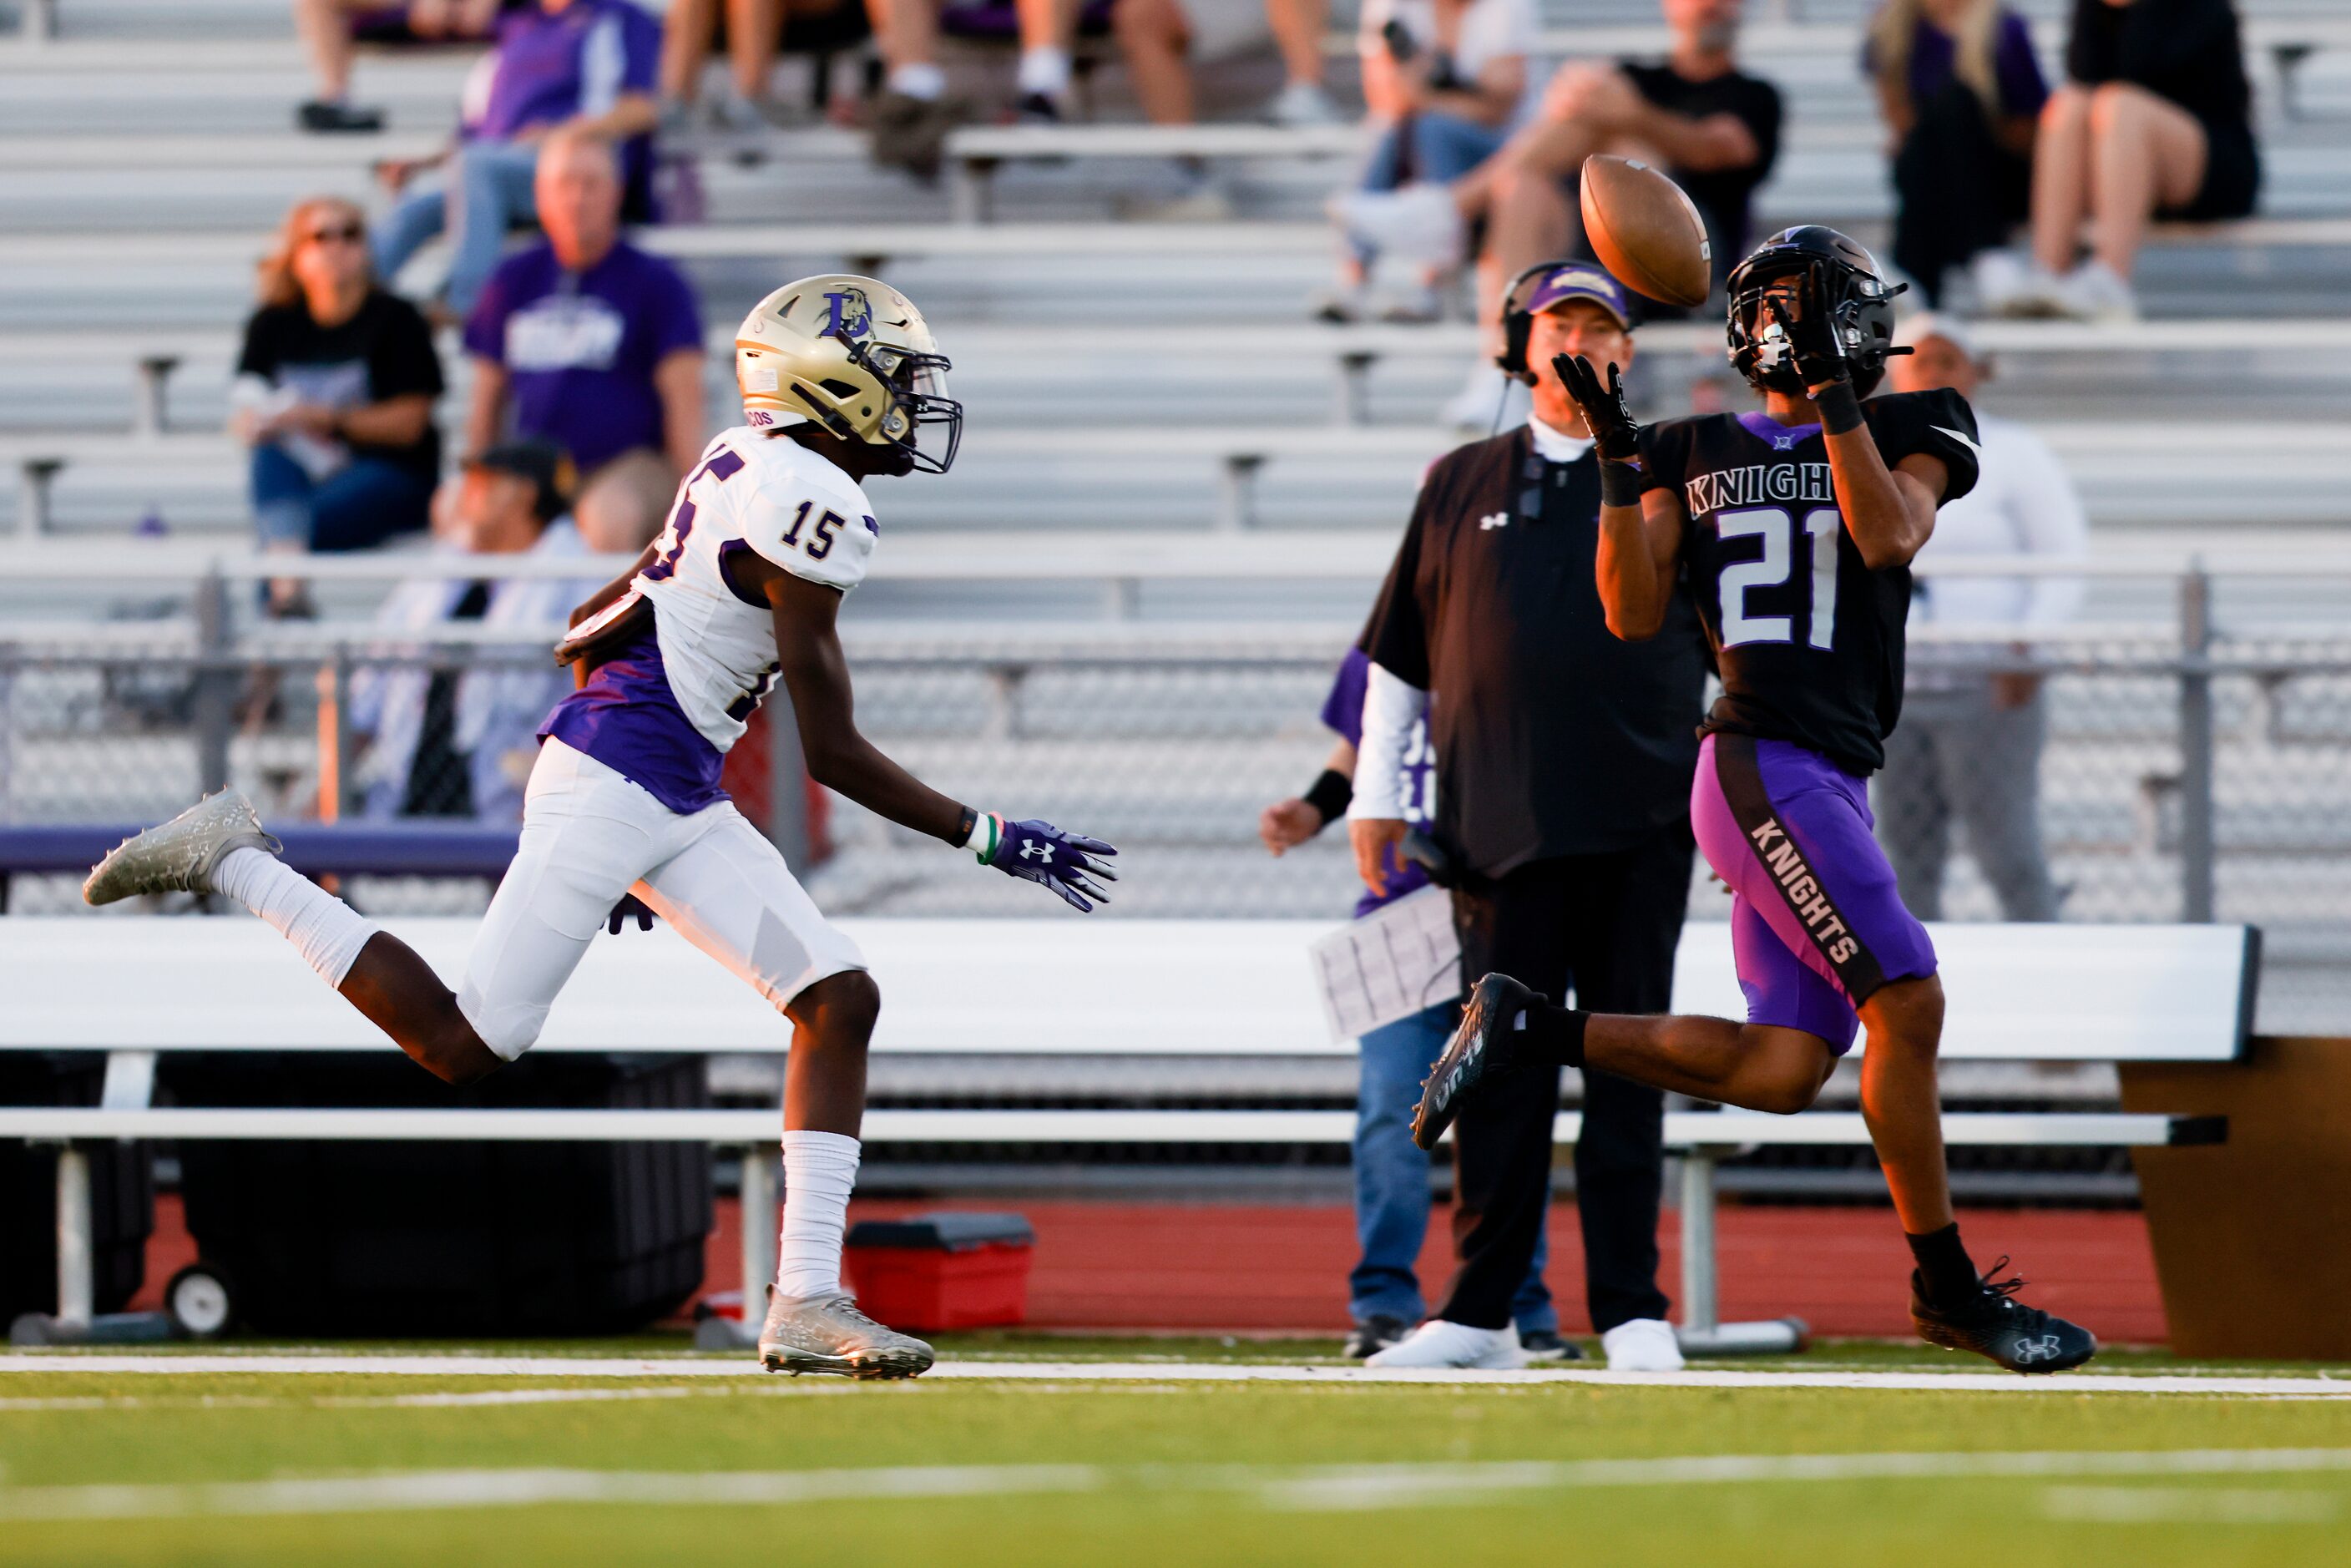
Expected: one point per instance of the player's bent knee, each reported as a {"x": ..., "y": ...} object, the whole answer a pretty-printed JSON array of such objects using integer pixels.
[
  {"x": 1907, "y": 1012},
  {"x": 839, "y": 1010}
]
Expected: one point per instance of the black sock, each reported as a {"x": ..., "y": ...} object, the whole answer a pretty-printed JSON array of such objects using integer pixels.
[
  {"x": 1944, "y": 1269},
  {"x": 1552, "y": 1034}
]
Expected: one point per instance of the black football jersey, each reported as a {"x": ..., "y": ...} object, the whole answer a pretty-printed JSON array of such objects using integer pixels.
[{"x": 1807, "y": 639}]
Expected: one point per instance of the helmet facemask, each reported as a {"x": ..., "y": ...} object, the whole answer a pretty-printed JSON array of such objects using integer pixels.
[
  {"x": 917, "y": 385},
  {"x": 1859, "y": 305}
]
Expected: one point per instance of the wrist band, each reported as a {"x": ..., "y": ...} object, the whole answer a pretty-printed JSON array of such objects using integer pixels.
[
  {"x": 1620, "y": 484},
  {"x": 987, "y": 834},
  {"x": 963, "y": 825},
  {"x": 1330, "y": 795},
  {"x": 1840, "y": 410}
]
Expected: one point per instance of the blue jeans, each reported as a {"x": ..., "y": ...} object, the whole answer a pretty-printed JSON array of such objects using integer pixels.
[
  {"x": 1444, "y": 148},
  {"x": 487, "y": 191},
  {"x": 365, "y": 502},
  {"x": 1392, "y": 1179}
]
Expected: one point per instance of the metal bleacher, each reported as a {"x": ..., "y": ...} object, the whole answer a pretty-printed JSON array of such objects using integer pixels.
[{"x": 1133, "y": 386}]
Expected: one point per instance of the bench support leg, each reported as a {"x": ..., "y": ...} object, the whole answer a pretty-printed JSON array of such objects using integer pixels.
[
  {"x": 1702, "y": 1332},
  {"x": 32, "y": 478},
  {"x": 1237, "y": 494},
  {"x": 150, "y": 413},
  {"x": 1355, "y": 388},
  {"x": 974, "y": 195},
  {"x": 77, "y": 1269},
  {"x": 758, "y": 1222}
]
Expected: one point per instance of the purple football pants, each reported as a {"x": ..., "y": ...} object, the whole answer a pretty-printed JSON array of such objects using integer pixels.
[{"x": 1816, "y": 923}]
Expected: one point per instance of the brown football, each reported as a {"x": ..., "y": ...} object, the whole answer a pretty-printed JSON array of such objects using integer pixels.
[{"x": 1646, "y": 230}]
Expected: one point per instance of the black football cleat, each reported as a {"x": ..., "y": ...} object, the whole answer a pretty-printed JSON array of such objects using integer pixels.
[
  {"x": 1998, "y": 1327},
  {"x": 1374, "y": 1334},
  {"x": 1482, "y": 1047}
]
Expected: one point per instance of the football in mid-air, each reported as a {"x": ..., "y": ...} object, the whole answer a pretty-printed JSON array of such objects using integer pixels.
[{"x": 1646, "y": 230}]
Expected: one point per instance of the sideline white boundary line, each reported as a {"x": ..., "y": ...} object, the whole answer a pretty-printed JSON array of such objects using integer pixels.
[
  {"x": 443, "y": 1365},
  {"x": 1325, "y": 1488}
]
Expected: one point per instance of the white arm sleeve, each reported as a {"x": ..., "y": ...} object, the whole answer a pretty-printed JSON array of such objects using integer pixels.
[
  {"x": 2050, "y": 524},
  {"x": 1391, "y": 708}
]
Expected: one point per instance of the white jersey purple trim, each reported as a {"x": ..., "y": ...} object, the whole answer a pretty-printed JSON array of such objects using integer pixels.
[{"x": 628, "y": 718}]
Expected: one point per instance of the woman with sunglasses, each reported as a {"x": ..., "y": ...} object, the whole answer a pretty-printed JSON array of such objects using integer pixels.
[{"x": 334, "y": 392}]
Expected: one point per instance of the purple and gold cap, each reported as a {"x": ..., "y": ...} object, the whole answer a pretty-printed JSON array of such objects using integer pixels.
[{"x": 1580, "y": 280}]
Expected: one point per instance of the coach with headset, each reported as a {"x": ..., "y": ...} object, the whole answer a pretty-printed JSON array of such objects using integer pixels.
[{"x": 1563, "y": 766}]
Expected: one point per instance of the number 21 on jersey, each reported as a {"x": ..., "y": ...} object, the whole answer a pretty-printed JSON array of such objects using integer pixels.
[{"x": 1778, "y": 530}]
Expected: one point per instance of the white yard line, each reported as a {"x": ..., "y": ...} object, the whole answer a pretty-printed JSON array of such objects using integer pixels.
[
  {"x": 411, "y": 1365},
  {"x": 1351, "y": 1488}
]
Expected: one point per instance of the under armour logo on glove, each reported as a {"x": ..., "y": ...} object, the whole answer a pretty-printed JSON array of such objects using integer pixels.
[{"x": 1066, "y": 862}]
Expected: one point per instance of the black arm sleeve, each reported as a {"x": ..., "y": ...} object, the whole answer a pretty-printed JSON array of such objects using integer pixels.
[{"x": 1395, "y": 637}]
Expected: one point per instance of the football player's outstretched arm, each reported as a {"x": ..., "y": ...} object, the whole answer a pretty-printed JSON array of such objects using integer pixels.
[
  {"x": 816, "y": 674},
  {"x": 614, "y": 589},
  {"x": 1889, "y": 512},
  {"x": 1640, "y": 535}
]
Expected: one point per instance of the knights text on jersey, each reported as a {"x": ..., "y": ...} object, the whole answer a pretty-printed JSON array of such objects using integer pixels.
[
  {"x": 759, "y": 491},
  {"x": 1808, "y": 640}
]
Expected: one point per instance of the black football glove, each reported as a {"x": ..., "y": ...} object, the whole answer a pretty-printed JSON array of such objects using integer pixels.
[
  {"x": 1813, "y": 343},
  {"x": 629, "y": 905},
  {"x": 1613, "y": 434}
]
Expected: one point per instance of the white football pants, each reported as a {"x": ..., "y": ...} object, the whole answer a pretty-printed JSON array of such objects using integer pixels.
[{"x": 589, "y": 836}]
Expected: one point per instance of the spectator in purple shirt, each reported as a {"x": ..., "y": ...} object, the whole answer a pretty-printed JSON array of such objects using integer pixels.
[
  {"x": 582, "y": 66},
  {"x": 1961, "y": 93},
  {"x": 584, "y": 340}
]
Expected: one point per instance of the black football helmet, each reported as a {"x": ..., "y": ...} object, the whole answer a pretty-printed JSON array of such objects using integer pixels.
[{"x": 1859, "y": 302}]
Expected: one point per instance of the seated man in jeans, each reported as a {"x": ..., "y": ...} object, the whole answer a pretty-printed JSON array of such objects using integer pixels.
[
  {"x": 459, "y": 741},
  {"x": 1391, "y": 1174},
  {"x": 582, "y": 66}
]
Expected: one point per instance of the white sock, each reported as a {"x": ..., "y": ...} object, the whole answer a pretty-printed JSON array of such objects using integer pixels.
[
  {"x": 921, "y": 79},
  {"x": 326, "y": 931},
  {"x": 819, "y": 1170},
  {"x": 1045, "y": 70}
]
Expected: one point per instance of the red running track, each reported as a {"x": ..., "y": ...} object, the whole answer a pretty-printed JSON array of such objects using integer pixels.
[{"x": 1217, "y": 1266}]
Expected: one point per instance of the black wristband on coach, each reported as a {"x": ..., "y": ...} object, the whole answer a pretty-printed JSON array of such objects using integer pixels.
[
  {"x": 965, "y": 820},
  {"x": 1330, "y": 795},
  {"x": 1840, "y": 410},
  {"x": 1620, "y": 484}
]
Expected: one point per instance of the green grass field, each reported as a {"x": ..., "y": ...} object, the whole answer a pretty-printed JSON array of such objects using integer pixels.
[{"x": 269, "y": 1467}]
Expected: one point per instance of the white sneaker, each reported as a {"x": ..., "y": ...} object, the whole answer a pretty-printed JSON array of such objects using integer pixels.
[
  {"x": 1998, "y": 276},
  {"x": 1416, "y": 223},
  {"x": 1439, "y": 1343},
  {"x": 2094, "y": 293},
  {"x": 1303, "y": 103},
  {"x": 1487, "y": 402},
  {"x": 1643, "y": 1344},
  {"x": 2031, "y": 293}
]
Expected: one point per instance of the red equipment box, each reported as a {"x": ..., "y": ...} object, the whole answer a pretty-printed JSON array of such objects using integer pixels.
[{"x": 932, "y": 1271}]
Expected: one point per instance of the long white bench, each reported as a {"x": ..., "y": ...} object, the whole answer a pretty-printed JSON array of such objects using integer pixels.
[{"x": 1156, "y": 989}]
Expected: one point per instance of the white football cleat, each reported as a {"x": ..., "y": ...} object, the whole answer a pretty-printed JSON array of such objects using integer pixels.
[
  {"x": 828, "y": 1333},
  {"x": 1643, "y": 1344},
  {"x": 1437, "y": 1343},
  {"x": 180, "y": 855}
]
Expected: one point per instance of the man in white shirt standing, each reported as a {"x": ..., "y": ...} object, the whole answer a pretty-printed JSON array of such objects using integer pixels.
[{"x": 1968, "y": 746}]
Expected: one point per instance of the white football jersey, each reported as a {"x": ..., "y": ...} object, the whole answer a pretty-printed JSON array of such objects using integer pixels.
[{"x": 757, "y": 490}]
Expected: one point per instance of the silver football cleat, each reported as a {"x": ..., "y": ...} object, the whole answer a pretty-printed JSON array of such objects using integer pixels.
[
  {"x": 828, "y": 1333},
  {"x": 179, "y": 856}
]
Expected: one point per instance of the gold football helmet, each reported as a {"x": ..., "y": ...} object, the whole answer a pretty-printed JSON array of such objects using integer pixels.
[{"x": 854, "y": 356}]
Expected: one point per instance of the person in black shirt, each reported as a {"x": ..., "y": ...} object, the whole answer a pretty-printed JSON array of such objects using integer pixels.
[
  {"x": 1695, "y": 113},
  {"x": 1564, "y": 761},
  {"x": 2154, "y": 120},
  {"x": 1794, "y": 532},
  {"x": 334, "y": 392}
]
